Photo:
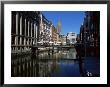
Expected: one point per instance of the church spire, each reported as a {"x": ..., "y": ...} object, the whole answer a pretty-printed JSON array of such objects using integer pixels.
[{"x": 59, "y": 26}]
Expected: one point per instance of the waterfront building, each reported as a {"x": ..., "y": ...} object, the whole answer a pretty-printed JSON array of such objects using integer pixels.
[
  {"x": 71, "y": 37},
  {"x": 63, "y": 39},
  {"x": 78, "y": 38},
  {"x": 54, "y": 35},
  {"x": 30, "y": 28},
  {"x": 45, "y": 35},
  {"x": 24, "y": 30},
  {"x": 90, "y": 31}
]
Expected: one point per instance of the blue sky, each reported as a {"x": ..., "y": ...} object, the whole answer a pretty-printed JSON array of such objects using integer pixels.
[{"x": 70, "y": 20}]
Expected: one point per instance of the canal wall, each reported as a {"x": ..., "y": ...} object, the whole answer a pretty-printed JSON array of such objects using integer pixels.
[{"x": 30, "y": 51}]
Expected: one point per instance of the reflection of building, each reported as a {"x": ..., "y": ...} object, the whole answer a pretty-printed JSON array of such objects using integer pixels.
[
  {"x": 90, "y": 30},
  {"x": 25, "y": 25},
  {"x": 71, "y": 37},
  {"x": 46, "y": 68}
]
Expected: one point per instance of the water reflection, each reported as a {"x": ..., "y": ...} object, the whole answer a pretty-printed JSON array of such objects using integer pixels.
[{"x": 58, "y": 64}]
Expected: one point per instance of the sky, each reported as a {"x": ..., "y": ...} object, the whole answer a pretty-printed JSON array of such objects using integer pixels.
[{"x": 70, "y": 20}]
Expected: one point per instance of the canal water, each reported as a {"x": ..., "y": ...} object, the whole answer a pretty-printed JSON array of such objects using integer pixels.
[{"x": 61, "y": 63}]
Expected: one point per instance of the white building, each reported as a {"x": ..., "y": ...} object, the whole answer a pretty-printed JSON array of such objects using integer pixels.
[
  {"x": 45, "y": 30},
  {"x": 71, "y": 37}
]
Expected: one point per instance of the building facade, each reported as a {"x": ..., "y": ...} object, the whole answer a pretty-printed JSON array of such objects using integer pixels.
[
  {"x": 78, "y": 38},
  {"x": 54, "y": 35},
  {"x": 71, "y": 37},
  {"x": 24, "y": 30},
  {"x": 31, "y": 28},
  {"x": 63, "y": 39},
  {"x": 45, "y": 32},
  {"x": 90, "y": 31}
]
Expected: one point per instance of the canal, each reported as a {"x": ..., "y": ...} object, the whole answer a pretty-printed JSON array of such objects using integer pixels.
[{"x": 61, "y": 63}]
